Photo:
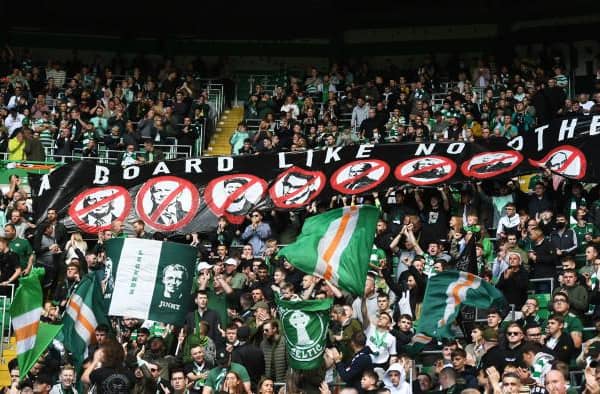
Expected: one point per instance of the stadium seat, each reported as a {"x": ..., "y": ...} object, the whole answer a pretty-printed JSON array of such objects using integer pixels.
[{"x": 543, "y": 300}]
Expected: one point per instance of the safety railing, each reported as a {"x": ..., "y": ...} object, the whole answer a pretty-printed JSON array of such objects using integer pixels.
[
  {"x": 109, "y": 156},
  {"x": 5, "y": 310},
  {"x": 8, "y": 294}
]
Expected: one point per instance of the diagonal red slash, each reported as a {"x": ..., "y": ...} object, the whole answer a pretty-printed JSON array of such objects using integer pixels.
[
  {"x": 361, "y": 175},
  {"x": 295, "y": 193},
  {"x": 233, "y": 196},
  {"x": 475, "y": 167},
  {"x": 95, "y": 205},
  {"x": 427, "y": 168},
  {"x": 567, "y": 163},
  {"x": 160, "y": 209}
]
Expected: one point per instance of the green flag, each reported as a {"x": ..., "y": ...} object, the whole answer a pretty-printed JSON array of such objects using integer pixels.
[
  {"x": 444, "y": 295},
  {"x": 85, "y": 311},
  {"x": 305, "y": 325},
  {"x": 150, "y": 279},
  {"x": 33, "y": 337},
  {"x": 336, "y": 246}
]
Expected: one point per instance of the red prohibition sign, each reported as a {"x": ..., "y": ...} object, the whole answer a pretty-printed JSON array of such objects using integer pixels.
[
  {"x": 359, "y": 176},
  {"x": 234, "y": 195},
  {"x": 296, "y": 187},
  {"x": 167, "y": 203},
  {"x": 564, "y": 160},
  {"x": 490, "y": 164},
  {"x": 426, "y": 170},
  {"x": 95, "y": 209}
]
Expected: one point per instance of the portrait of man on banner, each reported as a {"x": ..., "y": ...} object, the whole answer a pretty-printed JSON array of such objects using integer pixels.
[
  {"x": 240, "y": 204},
  {"x": 101, "y": 215},
  {"x": 293, "y": 182},
  {"x": 363, "y": 181},
  {"x": 172, "y": 280},
  {"x": 174, "y": 211}
]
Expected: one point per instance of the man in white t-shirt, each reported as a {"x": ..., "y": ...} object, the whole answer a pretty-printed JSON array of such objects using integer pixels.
[{"x": 380, "y": 341}]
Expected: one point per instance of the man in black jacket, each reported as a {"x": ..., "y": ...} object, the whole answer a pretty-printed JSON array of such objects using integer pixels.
[
  {"x": 370, "y": 126},
  {"x": 60, "y": 231},
  {"x": 351, "y": 371},
  {"x": 494, "y": 355},
  {"x": 202, "y": 313},
  {"x": 543, "y": 256},
  {"x": 249, "y": 355},
  {"x": 558, "y": 342},
  {"x": 10, "y": 269},
  {"x": 514, "y": 281}
]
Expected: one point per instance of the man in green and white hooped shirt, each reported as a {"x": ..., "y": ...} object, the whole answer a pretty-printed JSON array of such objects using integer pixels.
[
  {"x": 434, "y": 253},
  {"x": 538, "y": 362},
  {"x": 572, "y": 324}
]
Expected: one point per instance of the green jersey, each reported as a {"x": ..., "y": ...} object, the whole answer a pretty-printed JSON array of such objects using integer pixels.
[
  {"x": 581, "y": 231},
  {"x": 572, "y": 323},
  {"x": 23, "y": 249}
]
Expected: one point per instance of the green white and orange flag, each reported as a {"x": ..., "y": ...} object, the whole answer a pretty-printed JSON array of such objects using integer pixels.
[
  {"x": 336, "y": 246},
  {"x": 86, "y": 309},
  {"x": 33, "y": 337},
  {"x": 444, "y": 295}
]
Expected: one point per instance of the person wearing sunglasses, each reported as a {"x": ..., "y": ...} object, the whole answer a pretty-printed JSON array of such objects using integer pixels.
[
  {"x": 514, "y": 342},
  {"x": 257, "y": 232}
]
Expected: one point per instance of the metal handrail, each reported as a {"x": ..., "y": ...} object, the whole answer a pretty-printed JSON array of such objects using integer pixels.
[
  {"x": 12, "y": 296},
  {"x": 3, "y": 298}
]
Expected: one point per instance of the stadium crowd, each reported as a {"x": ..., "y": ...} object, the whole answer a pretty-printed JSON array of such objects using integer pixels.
[{"x": 539, "y": 244}]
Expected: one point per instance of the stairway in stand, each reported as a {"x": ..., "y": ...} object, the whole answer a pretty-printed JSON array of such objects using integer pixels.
[
  {"x": 9, "y": 351},
  {"x": 219, "y": 143}
]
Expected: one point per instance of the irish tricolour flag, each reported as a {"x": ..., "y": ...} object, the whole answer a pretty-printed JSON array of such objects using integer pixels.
[
  {"x": 85, "y": 310},
  {"x": 336, "y": 246},
  {"x": 446, "y": 292},
  {"x": 33, "y": 337}
]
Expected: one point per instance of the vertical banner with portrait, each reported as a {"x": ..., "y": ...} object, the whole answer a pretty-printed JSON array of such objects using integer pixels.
[{"x": 152, "y": 279}]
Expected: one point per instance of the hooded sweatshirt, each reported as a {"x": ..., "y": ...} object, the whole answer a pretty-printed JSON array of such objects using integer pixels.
[{"x": 403, "y": 387}]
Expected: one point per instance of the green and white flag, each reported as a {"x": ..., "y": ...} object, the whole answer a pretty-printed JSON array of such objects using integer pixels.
[
  {"x": 151, "y": 279},
  {"x": 85, "y": 310},
  {"x": 305, "y": 325},
  {"x": 33, "y": 336},
  {"x": 444, "y": 295},
  {"x": 336, "y": 246}
]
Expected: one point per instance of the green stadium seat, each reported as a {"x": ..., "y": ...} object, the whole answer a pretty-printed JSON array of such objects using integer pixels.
[
  {"x": 543, "y": 299},
  {"x": 543, "y": 314}
]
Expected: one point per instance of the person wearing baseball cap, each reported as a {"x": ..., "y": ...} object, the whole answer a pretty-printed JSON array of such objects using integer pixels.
[
  {"x": 494, "y": 355},
  {"x": 216, "y": 377},
  {"x": 238, "y": 279}
]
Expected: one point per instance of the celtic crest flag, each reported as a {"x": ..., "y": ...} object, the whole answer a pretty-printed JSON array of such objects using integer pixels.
[
  {"x": 305, "y": 326},
  {"x": 151, "y": 280},
  {"x": 444, "y": 295}
]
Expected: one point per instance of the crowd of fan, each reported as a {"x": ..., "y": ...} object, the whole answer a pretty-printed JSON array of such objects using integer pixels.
[
  {"x": 345, "y": 107},
  {"x": 232, "y": 340},
  {"x": 79, "y": 108}
]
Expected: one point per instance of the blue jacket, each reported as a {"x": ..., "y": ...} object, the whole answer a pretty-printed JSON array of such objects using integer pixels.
[
  {"x": 351, "y": 371},
  {"x": 257, "y": 238}
]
